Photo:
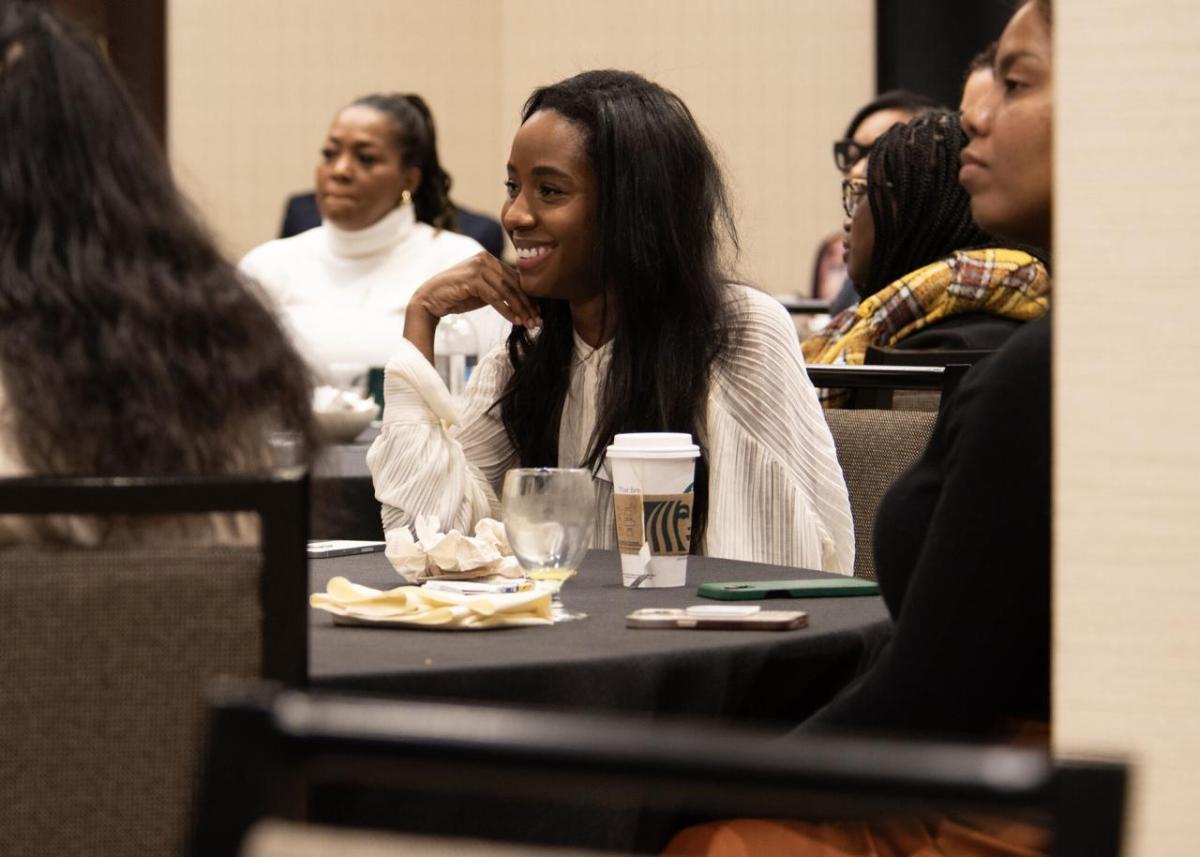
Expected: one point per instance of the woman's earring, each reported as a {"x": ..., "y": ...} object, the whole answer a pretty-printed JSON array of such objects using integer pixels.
[{"x": 405, "y": 197}]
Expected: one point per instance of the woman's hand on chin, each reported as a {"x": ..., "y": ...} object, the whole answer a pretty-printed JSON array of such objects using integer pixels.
[{"x": 482, "y": 280}]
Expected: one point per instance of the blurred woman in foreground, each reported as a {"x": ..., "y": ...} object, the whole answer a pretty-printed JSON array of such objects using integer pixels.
[
  {"x": 128, "y": 346},
  {"x": 962, "y": 539}
]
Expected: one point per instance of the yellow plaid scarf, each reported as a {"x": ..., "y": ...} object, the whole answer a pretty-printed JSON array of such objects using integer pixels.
[{"x": 997, "y": 281}]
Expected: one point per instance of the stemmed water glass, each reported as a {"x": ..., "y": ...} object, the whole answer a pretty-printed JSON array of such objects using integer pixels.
[{"x": 548, "y": 514}]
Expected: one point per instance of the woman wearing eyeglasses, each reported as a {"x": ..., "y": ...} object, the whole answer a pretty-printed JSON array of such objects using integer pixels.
[
  {"x": 894, "y": 107},
  {"x": 927, "y": 275},
  {"x": 872, "y": 119}
]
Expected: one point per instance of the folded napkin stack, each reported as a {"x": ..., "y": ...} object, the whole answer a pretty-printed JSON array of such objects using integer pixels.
[
  {"x": 352, "y": 603},
  {"x": 451, "y": 556}
]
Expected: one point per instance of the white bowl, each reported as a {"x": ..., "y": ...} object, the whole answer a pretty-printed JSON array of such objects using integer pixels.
[{"x": 344, "y": 426}]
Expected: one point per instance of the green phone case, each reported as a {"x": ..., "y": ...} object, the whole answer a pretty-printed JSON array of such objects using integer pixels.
[{"x": 753, "y": 590}]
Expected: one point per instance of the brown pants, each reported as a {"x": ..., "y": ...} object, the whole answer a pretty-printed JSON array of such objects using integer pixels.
[{"x": 933, "y": 837}]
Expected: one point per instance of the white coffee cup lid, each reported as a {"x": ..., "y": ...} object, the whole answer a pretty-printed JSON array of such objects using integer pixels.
[{"x": 653, "y": 444}]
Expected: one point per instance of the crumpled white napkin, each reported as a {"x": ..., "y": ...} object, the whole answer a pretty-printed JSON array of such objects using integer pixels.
[
  {"x": 414, "y": 605},
  {"x": 451, "y": 556}
]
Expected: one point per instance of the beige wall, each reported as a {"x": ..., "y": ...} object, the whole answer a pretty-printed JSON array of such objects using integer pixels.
[
  {"x": 1127, "y": 421},
  {"x": 253, "y": 83}
]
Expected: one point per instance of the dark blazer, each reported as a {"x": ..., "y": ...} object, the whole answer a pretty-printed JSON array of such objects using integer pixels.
[
  {"x": 962, "y": 553},
  {"x": 302, "y": 214},
  {"x": 973, "y": 331}
]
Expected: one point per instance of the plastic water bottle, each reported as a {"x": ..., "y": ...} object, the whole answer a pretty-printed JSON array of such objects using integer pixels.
[{"x": 455, "y": 351}]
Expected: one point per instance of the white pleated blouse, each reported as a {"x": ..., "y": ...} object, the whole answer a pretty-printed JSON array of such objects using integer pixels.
[{"x": 776, "y": 491}]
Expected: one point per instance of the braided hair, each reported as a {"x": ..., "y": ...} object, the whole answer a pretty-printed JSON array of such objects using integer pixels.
[
  {"x": 921, "y": 212},
  {"x": 417, "y": 139}
]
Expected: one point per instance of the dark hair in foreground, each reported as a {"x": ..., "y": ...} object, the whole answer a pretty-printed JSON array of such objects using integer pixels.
[
  {"x": 416, "y": 136},
  {"x": 893, "y": 99},
  {"x": 921, "y": 212},
  {"x": 661, "y": 215},
  {"x": 128, "y": 346}
]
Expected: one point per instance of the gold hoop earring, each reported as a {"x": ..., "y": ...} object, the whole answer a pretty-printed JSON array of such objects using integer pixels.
[{"x": 405, "y": 197}]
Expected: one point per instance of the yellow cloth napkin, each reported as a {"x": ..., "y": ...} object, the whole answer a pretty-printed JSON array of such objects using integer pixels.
[{"x": 413, "y": 605}]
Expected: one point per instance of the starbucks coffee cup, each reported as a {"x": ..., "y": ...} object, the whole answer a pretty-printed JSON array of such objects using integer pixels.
[{"x": 652, "y": 475}]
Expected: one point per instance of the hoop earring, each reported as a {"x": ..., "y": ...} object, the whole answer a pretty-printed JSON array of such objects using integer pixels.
[{"x": 405, "y": 197}]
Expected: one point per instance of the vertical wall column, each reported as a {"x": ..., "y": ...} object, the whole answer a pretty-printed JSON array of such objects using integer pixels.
[{"x": 1127, "y": 403}]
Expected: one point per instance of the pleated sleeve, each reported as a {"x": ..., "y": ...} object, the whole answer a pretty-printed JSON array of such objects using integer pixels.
[
  {"x": 436, "y": 455},
  {"x": 777, "y": 491}
]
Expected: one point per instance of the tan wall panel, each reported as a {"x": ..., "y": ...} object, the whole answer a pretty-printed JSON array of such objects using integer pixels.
[
  {"x": 1127, "y": 474},
  {"x": 772, "y": 82},
  {"x": 253, "y": 83}
]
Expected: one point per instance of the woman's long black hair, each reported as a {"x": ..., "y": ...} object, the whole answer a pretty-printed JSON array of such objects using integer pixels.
[
  {"x": 660, "y": 219},
  {"x": 416, "y": 136},
  {"x": 127, "y": 344},
  {"x": 921, "y": 212}
]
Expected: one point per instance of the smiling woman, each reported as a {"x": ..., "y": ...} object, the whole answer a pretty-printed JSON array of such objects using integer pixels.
[
  {"x": 550, "y": 211},
  {"x": 625, "y": 321},
  {"x": 342, "y": 288}
]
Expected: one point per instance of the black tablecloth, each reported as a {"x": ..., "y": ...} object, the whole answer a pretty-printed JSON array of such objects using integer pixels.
[{"x": 597, "y": 663}]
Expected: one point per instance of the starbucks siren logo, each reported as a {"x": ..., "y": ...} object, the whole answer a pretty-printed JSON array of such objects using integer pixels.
[{"x": 668, "y": 520}]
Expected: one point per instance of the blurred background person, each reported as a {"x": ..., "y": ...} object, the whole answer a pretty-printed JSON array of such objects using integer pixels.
[
  {"x": 302, "y": 213},
  {"x": 128, "y": 346},
  {"x": 927, "y": 275},
  {"x": 872, "y": 119},
  {"x": 342, "y": 287}
]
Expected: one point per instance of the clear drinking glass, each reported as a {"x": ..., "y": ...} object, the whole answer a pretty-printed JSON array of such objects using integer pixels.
[{"x": 548, "y": 514}]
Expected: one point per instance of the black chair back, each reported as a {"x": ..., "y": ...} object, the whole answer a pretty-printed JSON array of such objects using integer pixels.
[
  {"x": 269, "y": 750},
  {"x": 279, "y": 499},
  {"x": 107, "y": 648},
  {"x": 872, "y": 387}
]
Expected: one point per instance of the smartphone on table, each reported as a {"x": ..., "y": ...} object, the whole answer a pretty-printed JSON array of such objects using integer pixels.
[
  {"x": 706, "y": 617},
  {"x": 820, "y": 587},
  {"x": 341, "y": 547}
]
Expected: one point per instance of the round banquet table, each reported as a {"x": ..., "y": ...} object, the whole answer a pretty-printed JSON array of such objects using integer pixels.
[{"x": 597, "y": 663}]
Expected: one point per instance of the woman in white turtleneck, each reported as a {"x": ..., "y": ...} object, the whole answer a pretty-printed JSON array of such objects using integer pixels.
[{"x": 341, "y": 289}]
